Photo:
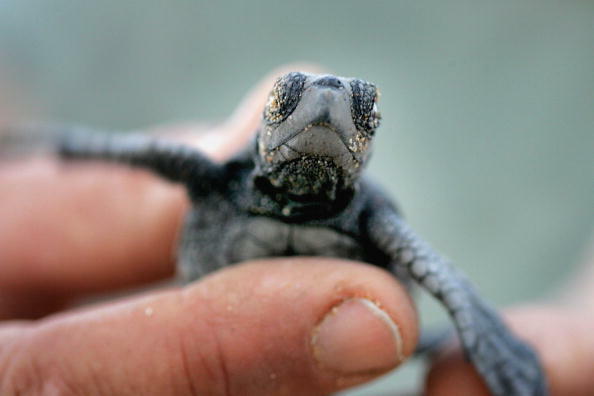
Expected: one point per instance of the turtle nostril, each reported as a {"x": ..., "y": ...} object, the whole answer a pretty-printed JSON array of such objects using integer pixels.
[{"x": 329, "y": 81}]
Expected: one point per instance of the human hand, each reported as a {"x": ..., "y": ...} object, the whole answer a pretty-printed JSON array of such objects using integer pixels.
[{"x": 285, "y": 326}]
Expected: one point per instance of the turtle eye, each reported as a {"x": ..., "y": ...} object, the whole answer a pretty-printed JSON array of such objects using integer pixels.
[
  {"x": 364, "y": 112},
  {"x": 284, "y": 97}
]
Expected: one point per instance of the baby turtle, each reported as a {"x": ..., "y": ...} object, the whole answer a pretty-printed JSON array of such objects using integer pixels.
[{"x": 298, "y": 190}]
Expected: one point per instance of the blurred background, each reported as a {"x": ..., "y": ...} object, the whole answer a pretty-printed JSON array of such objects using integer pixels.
[{"x": 488, "y": 131}]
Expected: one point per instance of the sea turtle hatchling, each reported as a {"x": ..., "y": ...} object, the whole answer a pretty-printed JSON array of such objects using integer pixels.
[{"x": 298, "y": 190}]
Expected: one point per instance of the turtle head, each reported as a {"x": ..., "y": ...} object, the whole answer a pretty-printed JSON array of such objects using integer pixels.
[{"x": 316, "y": 134}]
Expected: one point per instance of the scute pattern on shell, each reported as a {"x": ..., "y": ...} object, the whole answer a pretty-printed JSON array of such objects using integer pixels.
[
  {"x": 364, "y": 98},
  {"x": 284, "y": 97}
]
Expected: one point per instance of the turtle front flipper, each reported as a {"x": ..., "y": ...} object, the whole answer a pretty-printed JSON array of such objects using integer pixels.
[
  {"x": 507, "y": 364},
  {"x": 173, "y": 161}
]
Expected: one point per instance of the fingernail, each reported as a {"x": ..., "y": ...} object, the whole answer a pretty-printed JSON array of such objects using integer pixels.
[{"x": 356, "y": 336}]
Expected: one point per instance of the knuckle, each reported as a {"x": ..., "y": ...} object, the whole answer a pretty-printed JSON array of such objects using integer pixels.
[
  {"x": 203, "y": 363},
  {"x": 25, "y": 372}
]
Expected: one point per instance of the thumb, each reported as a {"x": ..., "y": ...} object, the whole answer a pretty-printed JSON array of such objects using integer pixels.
[{"x": 277, "y": 327}]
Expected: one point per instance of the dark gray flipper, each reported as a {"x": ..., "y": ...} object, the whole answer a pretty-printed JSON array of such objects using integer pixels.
[
  {"x": 173, "y": 161},
  {"x": 508, "y": 366}
]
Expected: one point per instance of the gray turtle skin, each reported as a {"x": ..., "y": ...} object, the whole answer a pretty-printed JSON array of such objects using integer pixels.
[{"x": 298, "y": 190}]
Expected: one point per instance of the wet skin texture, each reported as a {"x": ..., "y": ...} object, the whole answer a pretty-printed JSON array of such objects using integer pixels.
[{"x": 298, "y": 190}]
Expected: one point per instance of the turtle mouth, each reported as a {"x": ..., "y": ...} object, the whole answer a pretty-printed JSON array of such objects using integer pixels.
[{"x": 320, "y": 139}]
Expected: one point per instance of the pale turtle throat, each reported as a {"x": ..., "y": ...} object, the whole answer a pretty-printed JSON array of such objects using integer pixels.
[{"x": 307, "y": 177}]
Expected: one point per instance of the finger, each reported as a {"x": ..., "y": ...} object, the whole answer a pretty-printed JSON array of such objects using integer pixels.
[
  {"x": 282, "y": 327},
  {"x": 92, "y": 227},
  {"x": 83, "y": 228},
  {"x": 563, "y": 339}
]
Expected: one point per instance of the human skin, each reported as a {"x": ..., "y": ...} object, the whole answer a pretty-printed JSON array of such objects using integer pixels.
[{"x": 284, "y": 326}]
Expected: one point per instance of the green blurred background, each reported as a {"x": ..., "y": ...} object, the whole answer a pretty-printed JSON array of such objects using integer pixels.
[{"x": 488, "y": 131}]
